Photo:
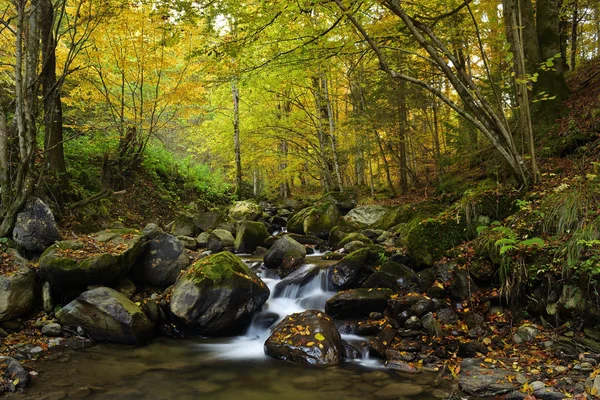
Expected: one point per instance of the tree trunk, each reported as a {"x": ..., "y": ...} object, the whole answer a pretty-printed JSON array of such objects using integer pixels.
[
  {"x": 574, "y": 27},
  {"x": 386, "y": 166},
  {"x": 236, "y": 140},
  {"x": 402, "y": 124}
]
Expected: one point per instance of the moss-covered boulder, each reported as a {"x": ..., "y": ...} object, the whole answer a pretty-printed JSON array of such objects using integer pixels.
[
  {"x": 219, "y": 240},
  {"x": 184, "y": 225},
  {"x": 285, "y": 255},
  {"x": 217, "y": 295},
  {"x": 107, "y": 315},
  {"x": 320, "y": 219},
  {"x": 92, "y": 260},
  {"x": 355, "y": 303},
  {"x": 338, "y": 232},
  {"x": 391, "y": 275},
  {"x": 428, "y": 240},
  {"x": 245, "y": 211},
  {"x": 345, "y": 201},
  {"x": 208, "y": 220},
  {"x": 405, "y": 213},
  {"x": 349, "y": 272},
  {"x": 249, "y": 236},
  {"x": 354, "y": 237},
  {"x": 366, "y": 215},
  {"x": 17, "y": 286},
  {"x": 161, "y": 262},
  {"x": 309, "y": 337},
  {"x": 296, "y": 222}
]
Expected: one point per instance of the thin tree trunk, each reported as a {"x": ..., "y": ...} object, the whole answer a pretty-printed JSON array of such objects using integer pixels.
[
  {"x": 236, "y": 139},
  {"x": 574, "y": 27},
  {"x": 385, "y": 164}
]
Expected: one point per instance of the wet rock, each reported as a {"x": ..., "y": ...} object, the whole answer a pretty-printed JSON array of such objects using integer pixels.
[
  {"x": 17, "y": 288},
  {"x": 161, "y": 262},
  {"x": 413, "y": 323},
  {"x": 306, "y": 239},
  {"x": 35, "y": 228},
  {"x": 411, "y": 346},
  {"x": 218, "y": 294},
  {"x": 394, "y": 355},
  {"x": 249, "y": 236},
  {"x": 80, "y": 392},
  {"x": 286, "y": 255},
  {"x": 421, "y": 307},
  {"x": 471, "y": 349},
  {"x": 432, "y": 325},
  {"x": 53, "y": 329},
  {"x": 220, "y": 239},
  {"x": 14, "y": 372},
  {"x": 548, "y": 394},
  {"x": 366, "y": 215},
  {"x": 63, "y": 267},
  {"x": 447, "y": 316},
  {"x": 473, "y": 319},
  {"x": 402, "y": 366},
  {"x": 350, "y": 352},
  {"x": 126, "y": 287},
  {"x": 482, "y": 381},
  {"x": 357, "y": 302},
  {"x": 525, "y": 333},
  {"x": 245, "y": 211},
  {"x": 309, "y": 337},
  {"x": 383, "y": 341},
  {"x": 350, "y": 271},
  {"x": 107, "y": 315}
]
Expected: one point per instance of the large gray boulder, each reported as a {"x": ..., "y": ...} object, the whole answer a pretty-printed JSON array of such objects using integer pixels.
[
  {"x": 218, "y": 295},
  {"x": 285, "y": 255},
  {"x": 92, "y": 260},
  {"x": 17, "y": 287},
  {"x": 220, "y": 239},
  {"x": 245, "y": 211},
  {"x": 107, "y": 315},
  {"x": 208, "y": 220},
  {"x": 249, "y": 236},
  {"x": 321, "y": 219},
  {"x": 345, "y": 201},
  {"x": 366, "y": 215},
  {"x": 35, "y": 228},
  {"x": 161, "y": 262},
  {"x": 309, "y": 337}
]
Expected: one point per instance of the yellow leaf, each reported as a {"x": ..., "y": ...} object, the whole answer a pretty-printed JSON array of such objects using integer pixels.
[
  {"x": 319, "y": 336},
  {"x": 487, "y": 341},
  {"x": 16, "y": 381},
  {"x": 310, "y": 344}
]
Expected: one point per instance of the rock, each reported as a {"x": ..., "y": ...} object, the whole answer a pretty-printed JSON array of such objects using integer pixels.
[
  {"x": 537, "y": 385},
  {"x": 413, "y": 323},
  {"x": 184, "y": 226},
  {"x": 350, "y": 352},
  {"x": 161, "y": 262},
  {"x": 462, "y": 285},
  {"x": 366, "y": 215},
  {"x": 188, "y": 242},
  {"x": 432, "y": 325},
  {"x": 245, "y": 211},
  {"x": 421, "y": 307},
  {"x": 80, "y": 392},
  {"x": 151, "y": 230},
  {"x": 337, "y": 233},
  {"x": 592, "y": 386},
  {"x": 320, "y": 219},
  {"x": 53, "y": 329},
  {"x": 218, "y": 295},
  {"x": 47, "y": 303},
  {"x": 202, "y": 240},
  {"x": 471, "y": 349},
  {"x": 447, "y": 316},
  {"x": 383, "y": 340},
  {"x": 285, "y": 255},
  {"x": 355, "y": 246},
  {"x": 482, "y": 270},
  {"x": 208, "y": 221},
  {"x": 354, "y": 237},
  {"x": 35, "y": 228},
  {"x": 107, "y": 315},
  {"x": 63, "y": 266},
  {"x": 309, "y": 337},
  {"x": 402, "y": 366},
  {"x": 296, "y": 222},
  {"x": 126, "y": 287},
  {"x": 399, "y": 390},
  {"x": 260, "y": 252},
  {"x": 306, "y": 239},
  {"x": 17, "y": 287},
  {"x": 14, "y": 372},
  {"x": 249, "y": 236},
  {"x": 349, "y": 272},
  {"x": 473, "y": 319},
  {"x": 345, "y": 201},
  {"x": 481, "y": 381},
  {"x": 418, "y": 305},
  {"x": 548, "y": 394},
  {"x": 357, "y": 302},
  {"x": 220, "y": 239},
  {"x": 525, "y": 333}
]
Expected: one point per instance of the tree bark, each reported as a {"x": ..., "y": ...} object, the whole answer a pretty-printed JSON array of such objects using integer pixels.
[{"x": 236, "y": 139}]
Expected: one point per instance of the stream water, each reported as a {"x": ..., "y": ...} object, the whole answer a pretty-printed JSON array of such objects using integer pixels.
[{"x": 229, "y": 368}]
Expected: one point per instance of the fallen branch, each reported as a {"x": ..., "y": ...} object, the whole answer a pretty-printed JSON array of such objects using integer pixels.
[{"x": 96, "y": 197}]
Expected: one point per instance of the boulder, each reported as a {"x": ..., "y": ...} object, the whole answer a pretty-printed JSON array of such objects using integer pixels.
[
  {"x": 309, "y": 337},
  {"x": 249, "y": 236},
  {"x": 429, "y": 239},
  {"x": 285, "y": 255},
  {"x": 161, "y": 262},
  {"x": 320, "y": 219},
  {"x": 350, "y": 272},
  {"x": 202, "y": 240},
  {"x": 245, "y": 211},
  {"x": 345, "y": 201},
  {"x": 478, "y": 379},
  {"x": 184, "y": 226},
  {"x": 17, "y": 286},
  {"x": 306, "y": 239},
  {"x": 107, "y": 315},
  {"x": 92, "y": 260},
  {"x": 391, "y": 275},
  {"x": 220, "y": 239},
  {"x": 14, "y": 374},
  {"x": 35, "y": 228},
  {"x": 208, "y": 221},
  {"x": 296, "y": 222},
  {"x": 355, "y": 303},
  {"x": 218, "y": 295},
  {"x": 354, "y": 237},
  {"x": 151, "y": 230},
  {"x": 188, "y": 242},
  {"x": 337, "y": 233},
  {"x": 366, "y": 215}
]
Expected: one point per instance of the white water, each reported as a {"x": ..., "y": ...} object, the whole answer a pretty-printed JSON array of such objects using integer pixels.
[{"x": 304, "y": 289}]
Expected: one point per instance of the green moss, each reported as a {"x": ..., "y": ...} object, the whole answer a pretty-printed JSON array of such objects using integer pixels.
[
  {"x": 222, "y": 269},
  {"x": 296, "y": 222},
  {"x": 405, "y": 213},
  {"x": 351, "y": 237},
  {"x": 321, "y": 218}
]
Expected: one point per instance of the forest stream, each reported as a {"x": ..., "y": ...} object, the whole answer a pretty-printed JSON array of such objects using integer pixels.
[{"x": 229, "y": 368}]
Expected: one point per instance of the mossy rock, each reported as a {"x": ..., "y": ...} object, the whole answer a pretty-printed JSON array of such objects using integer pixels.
[
  {"x": 296, "y": 222},
  {"x": 431, "y": 238},
  {"x": 218, "y": 294},
  {"x": 245, "y": 211},
  {"x": 350, "y": 271},
  {"x": 220, "y": 239},
  {"x": 321, "y": 219},
  {"x": 351, "y": 237},
  {"x": 338, "y": 232},
  {"x": 249, "y": 236},
  {"x": 405, "y": 213},
  {"x": 356, "y": 303},
  {"x": 17, "y": 296},
  {"x": 82, "y": 262},
  {"x": 345, "y": 201}
]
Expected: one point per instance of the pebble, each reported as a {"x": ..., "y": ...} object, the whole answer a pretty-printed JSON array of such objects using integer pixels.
[
  {"x": 36, "y": 350},
  {"x": 537, "y": 385},
  {"x": 53, "y": 329},
  {"x": 560, "y": 369}
]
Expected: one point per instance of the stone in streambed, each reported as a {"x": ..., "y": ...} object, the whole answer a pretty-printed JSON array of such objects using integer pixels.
[
  {"x": 161, "y": 262},
  {"x": 357, "y": 302},
  {"x": 219, "y": 240},
  {"x": 14, "y": 373},
  {"x": 286, "y": 255},
  {"x": 309, "y": 337},
  {"x": 218, "y": 295},
  {"x": 249, "y": 236},
  {"x": 17, "y": 287}
]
